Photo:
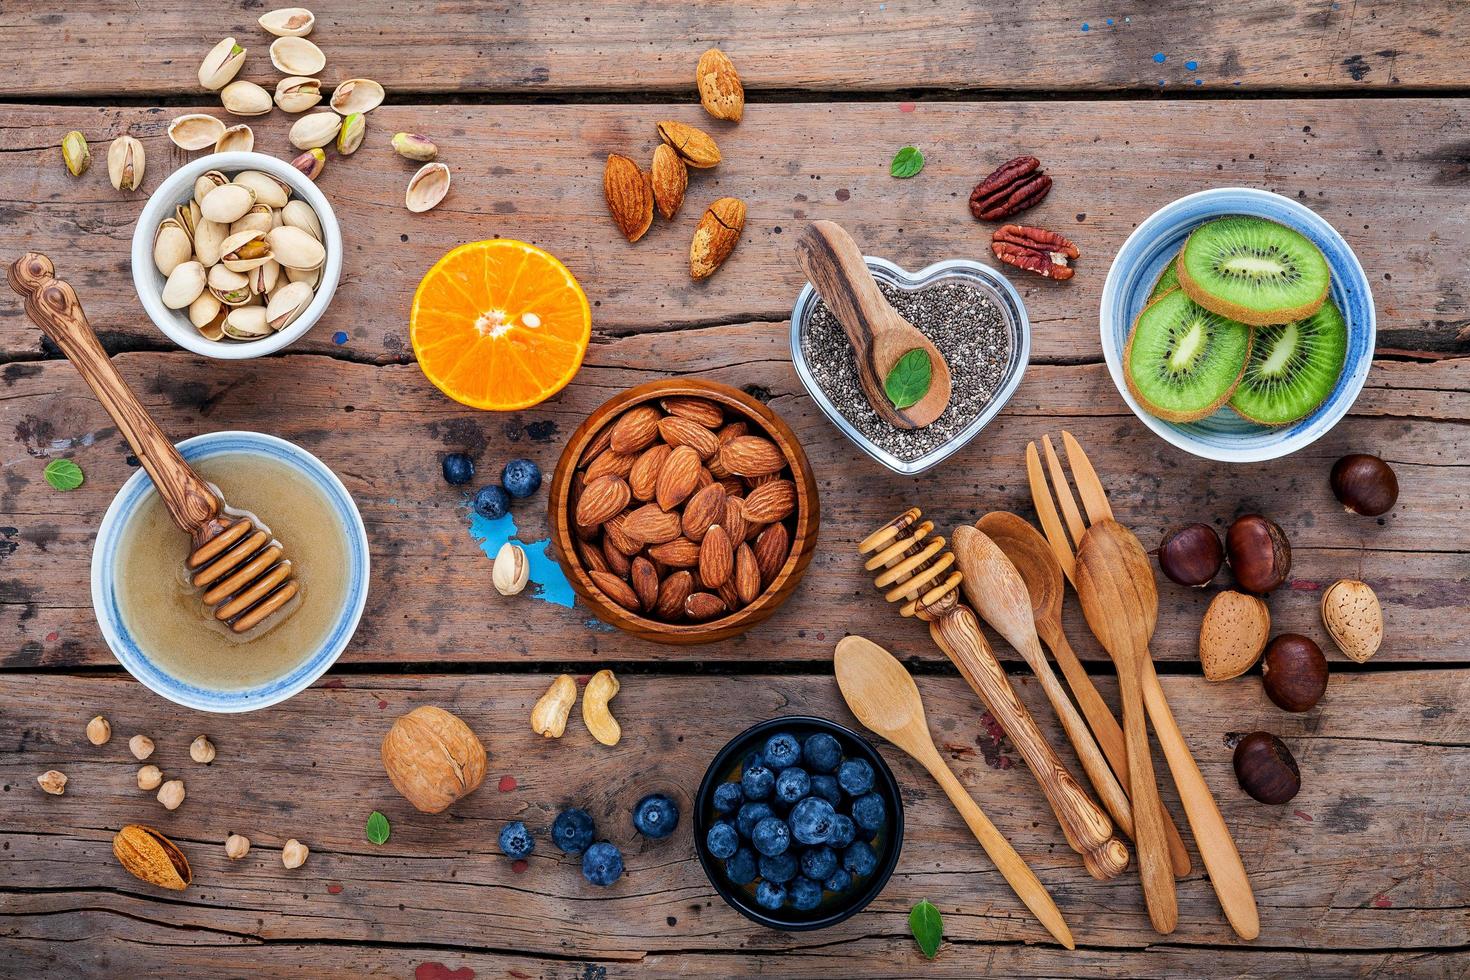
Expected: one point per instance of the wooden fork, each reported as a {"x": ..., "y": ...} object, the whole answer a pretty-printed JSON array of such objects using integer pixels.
[{"x": 1217, "y": 848}]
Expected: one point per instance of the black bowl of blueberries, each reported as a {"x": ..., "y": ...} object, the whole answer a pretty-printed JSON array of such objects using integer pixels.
[{"x": 798, "y": 823}]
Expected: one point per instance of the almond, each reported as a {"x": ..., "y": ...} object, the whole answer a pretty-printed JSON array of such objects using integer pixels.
[
  {"x": 678, "y": 431},
  {"x": 752, "y": 456},
  {"x": 728, "y": 595},
  {"x": 716, "y": 236},
  {"x": 734, "y": 486},
  {"x": 603, "y": 499},
  {"x": 751, "y": 482},
  {"x": 720, "y": 91},
  {"x": 643, "y": 477},
  {"x": 629, "y": 193},
  {"x": 701, "y": 606},
  {"x": 645, "y": 582},
  {"x": 770, "y": 502},
  {"x": 149, "y": 856},
  {"x": 700, "y": 410},
  {"x": 694, "y": 146},
  {"x": 678, "y": 553},
  {"x": 616, "y": 589},
  {"x": 704, "y": 508},
  {"x": 747, "y": 575},
  {"x": 716, "y": 558},
  {"x": 679, "y": 477},
  {"x": 705, "y": 478},
  {"x": 651, "y": 524},
  {"x": 616, "y": 534},
  {"x": 617, "y": 561},
  {"x": 635, "y": 429},
  {"x": 1354, "y": 618},
  {"x": 771, "y": 548},
  {"x": 731, "y": 431},
  {"x": 735, "y": 522},
  {"x": 599, "y": 443},
  {"x": 591, "y": 556},
  {"x": 611, "y": 463},
  {"x": 670, "y": 179},
  {"x": 1232, "y": 635},
  {"x": 671, "y": 595}
]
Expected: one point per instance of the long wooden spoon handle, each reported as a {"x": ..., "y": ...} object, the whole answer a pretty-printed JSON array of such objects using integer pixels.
[
  {"x": 1216, "y": 847},
  {"x": 1153, "y": 853},
  {"x": 53, "y": 305},
  {"x": 1088, "y": 830}
]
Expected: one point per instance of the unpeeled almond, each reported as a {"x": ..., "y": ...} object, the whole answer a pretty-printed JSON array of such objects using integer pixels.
[
  {"x": 151, "y": 857},
  {"x": 1233, "y": 634},
  {"x": 720, "y": 91},
  {"x": 1353, "y": 618},
  {"x": 629, "y": 194}
]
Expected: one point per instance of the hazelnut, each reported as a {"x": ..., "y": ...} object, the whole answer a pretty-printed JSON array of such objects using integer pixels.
[
  {"x": 293, "y": 855},
  {"x": 141, "y": 746},
  {"x": 202, "y": 750},
  {"x": 149, "y": 777},
  {"x": 237, "y": 846},
  {"x": 171, "y": 794},
  {"x": 99, "y": 732},
  {"x": 53, "y": 781}
]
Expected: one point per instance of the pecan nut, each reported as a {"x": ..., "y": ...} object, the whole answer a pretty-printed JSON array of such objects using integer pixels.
[
  {"x": 1034, "y": 249},
  {"x": 1010, "y": 189}
]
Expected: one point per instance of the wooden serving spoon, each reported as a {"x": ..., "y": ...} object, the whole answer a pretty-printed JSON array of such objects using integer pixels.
[
  {"x": 879, "y": 336},
  {"x": 234, "y": 560},
  {"x": 885, "y": 698},
  {"x": 1033, "y": 559}
]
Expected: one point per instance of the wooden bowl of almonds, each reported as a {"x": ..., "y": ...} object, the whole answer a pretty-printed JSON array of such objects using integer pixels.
[{"x": 684, "y": 511}]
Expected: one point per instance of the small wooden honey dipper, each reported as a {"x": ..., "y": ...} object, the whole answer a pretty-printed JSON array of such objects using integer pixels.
[
  {"x": 234, "y": 559},
  {"x": 916, "y": 572}
]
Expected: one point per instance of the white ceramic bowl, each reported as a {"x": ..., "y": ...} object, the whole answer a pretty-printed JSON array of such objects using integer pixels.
[
  {"x": 178, "y": 188},
  {"x": 147, "y": 670}
]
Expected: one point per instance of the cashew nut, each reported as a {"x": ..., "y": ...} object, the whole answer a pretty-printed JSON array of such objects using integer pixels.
[
  {"x": 549, "y": 717},
  {"x": 599, "y": 720}
]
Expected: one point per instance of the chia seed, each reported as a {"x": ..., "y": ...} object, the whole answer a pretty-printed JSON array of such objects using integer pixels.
[{"x": 969, "y": 330}]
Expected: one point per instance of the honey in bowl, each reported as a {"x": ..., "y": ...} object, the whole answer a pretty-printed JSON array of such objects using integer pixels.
[{"x": 161, "y": 607}]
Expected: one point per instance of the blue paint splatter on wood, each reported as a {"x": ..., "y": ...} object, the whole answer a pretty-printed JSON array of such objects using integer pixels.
[
  {"x": 339, "y": 337},
  {"x": 1191, "y": 65},
  {"x": 1086, "y": 28},
  {"x": 1199, "y": 81},
  {"x": 550, "y": 581},
  {"x": 1110, "y": 22},
  {"x": 1160, "y": 57}
]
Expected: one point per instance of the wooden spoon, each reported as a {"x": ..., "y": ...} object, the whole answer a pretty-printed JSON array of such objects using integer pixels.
[
  {"x": 1033, "y": 559},
  {"x": 885, "y": 698},
  {"x": 879, "y": 336}
]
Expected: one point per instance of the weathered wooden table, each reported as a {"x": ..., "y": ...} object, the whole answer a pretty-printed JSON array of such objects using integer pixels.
[{"x": 1358, "y": 109}]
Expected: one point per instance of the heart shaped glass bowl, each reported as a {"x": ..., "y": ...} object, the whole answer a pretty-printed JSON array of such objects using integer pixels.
[
  {"x": 1226, "y": 436},
  {"x": 994, "y": 286}
]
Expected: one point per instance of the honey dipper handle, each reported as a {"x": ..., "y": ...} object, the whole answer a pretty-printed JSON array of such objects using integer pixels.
[
  {"x": 53, "y": 305},
  {"x": 1086, "y": 826}
]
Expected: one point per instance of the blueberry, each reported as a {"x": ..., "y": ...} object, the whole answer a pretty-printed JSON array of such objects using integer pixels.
[
  {"x": 521, "y": 478},
  {"x": 722, "y": 839},
  {"x": 805, "y": 894},
  {"x": 740, "y": 867},
  {"x": 728, "y": 797},
  {"x": 491, "y": 503},
  {"x": 842, "y": 832},
  {"x": 868, "y": 811},
  {"x": 751, "y": 761},
  {"x": 750, "y": 814},
  {"x": 818, "y": 862},
  {"x": 811, "y": 820},
  {"x": 792, "y": 784},
  {"x": 459, "y": 469},
  {"x": 826, "y": 787},
  {"x": 602, "y": 864},
  {"x": 771, "y": 836},
  {"x": 779, "y": 868},
  {"x": 782, "y": 750},
  {"x": 859, "y": 859},
  {"x": 757, "y": 782},
  {"x": 822, "y": 752},
  {"x": 572, "y": 831},
  {"x": 769, "y": 895},
  {"x": 655, "y": 816},
  {"x": 838, "y": 881},
  {"x": 516, "y": 841},
  {"x": 855, "y": 777}
]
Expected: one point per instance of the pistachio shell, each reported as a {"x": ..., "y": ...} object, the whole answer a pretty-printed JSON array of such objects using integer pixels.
[
  {"x": 296, "y": 249},
  {"x": 171, "y": 246},
  {"x": 1353, "y": 618},
  {"x": 350, "y": 138},
  {"x": 414, "y": 147},
  {"x": 298, "y": 214},
  {"x": 221, "y": 64},
  {"x": 260, "y": 217},
  {"x": 207, "y": 182},
  {"x": 297, "y": 93},
  {"x": 236, "y": 139},
  {"x": 317, "y": 129},
  {"x": 229, "y": 287},
  {"x": 195, "y": 131},
  {"x": 264, "y": 278},
  {"x": 312, "y": 277},
  {"x": 288, "y": 303},
  {"x": 247, "y": 323},
  {"x": 205, "y": 308},
  {"x": 288, "y": 22},
  {"x": 184, "y": 285},
  {"x": 209, "y": 239},
  {"x": 427, "y": 187},
  {"x": 245, "y": 251},
  {"x": 296, "y": 55},
  {"x": 215, "y": 328},
  {"x": 151, "y": 857},
  {"x": 357, "y": 95},
  {"x": 225, "y": 204},
  {"x": 268, "y": 190},
  {"x": 125, "y": 163},
  {"x": 189, "y": 216},
  {"x": 311, "y": 162},
  {"x": 242, "y": 98},
  {"x": 75, "y": 153}
]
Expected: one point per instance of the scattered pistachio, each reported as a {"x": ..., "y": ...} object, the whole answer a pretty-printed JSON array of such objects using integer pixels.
[
  {"x": 297, "y": 93},
  {"x": 354, "y": 127},
  {"x": 221, "y": 65},
  {"x": 427, "y": 187},
  {"x": 293, "y": 855},
  {"x": 201, "y": 750},
  {"x": 414, "y": 147},
  {"x": 195, "y": 131},
  {"x": 237, "y": 846},
  {"x": 76, "y": 153},
  {"x": 295, "y": 55},
  {"x": 171, "y": 794},
  {"x": 242, "y": 98},
  {"x": 510, "y": 571},
  {"x": 317, "y": 129},
  {"x": 125, "y": 163},
  {"x": 356, "y": 95},
  {"x": 311, "y": 163},
  {"x": 236, "y": 139},
  {"x": 53, "y": 781},
  {"x": 141, "y": 746},
  {"x": 149, "y": 777},
  {"x": 99, "y": 732},
  {"x": 288, "y": 22}
]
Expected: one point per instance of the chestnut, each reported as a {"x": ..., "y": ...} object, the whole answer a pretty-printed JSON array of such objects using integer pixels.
[
  {"x": 1192, "y": 555},
  {"x": 1364, "y": 484},
  {"x": 1259, "y": 554},
  {"x": 1265, "y": 768},
  {"x": 1294, "y": 672}
]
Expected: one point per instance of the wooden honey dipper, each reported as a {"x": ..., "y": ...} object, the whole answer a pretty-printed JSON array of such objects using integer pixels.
[
  {"x": 234, "y": 558},
  {"x": 917, "y": 573}
]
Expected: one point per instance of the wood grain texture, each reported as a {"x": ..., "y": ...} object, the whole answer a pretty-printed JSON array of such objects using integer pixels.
[{"x": 543, "y": 46}]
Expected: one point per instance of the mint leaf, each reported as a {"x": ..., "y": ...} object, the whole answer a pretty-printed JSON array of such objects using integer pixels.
[
  {"x": 377, "y": 828},
  {"x": 908, "y": 381},
  {"x": 927, "y": 927},
  {"x": 63, "y": 474},
  {"x": 907, "y": 162}
]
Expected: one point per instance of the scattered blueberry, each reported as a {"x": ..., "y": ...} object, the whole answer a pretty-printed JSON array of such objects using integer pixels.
[
  {"x": 819, "y": 862},
  {"x": 792, "y": 784},
  {"x": 782, "y": 750},
  {"x": 859, "y": 859},
  {"x": 826, "y": 787},
  {"x": 842, "y": 832},
  {"x": 521, "y": 478},
  {"x": 722, "y": 839},
  {"x": 602, "y": 864},
  {"x": 491, "y": 503},
  {"x": 749, "y": 815},
  {"x": 822, "y": 752},
  {"x": 811, "y": 820},
  {"x": 868, "y": 811},
  {"x": 855, "y": 777},
  {"x": 771, "y": 836},
  {"x": 728, "y": 797},
  {"x": 779, "y": 868},
  {"x": 769, "y": 895},
  {"x": 805, "y": 894},
  {"x": 838, "y": 881},
  {"x": 740, "y": 867},
  {"x": 757, "y": 782},
  {"x": 516, "y": 841},
  {"x": 656, "y": 816},
  {"x": 458, "y": 469},
  {"x": 572, "y": 831}
]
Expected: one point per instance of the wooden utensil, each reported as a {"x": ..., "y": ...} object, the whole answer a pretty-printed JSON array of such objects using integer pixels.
[
  {"x": 234, "y": 558},
  {"x": 1038, "y": 568},
  {"x": 879, "y": 336},
  {"x": 885, "y": 698},
  {"x": 910, "y": 569},
  {"x": 1217, "y": 848}
]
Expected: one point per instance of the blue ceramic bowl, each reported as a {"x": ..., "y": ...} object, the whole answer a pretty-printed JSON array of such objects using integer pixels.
[
  {"x": 136, "y": 659},
  {"x": 1226, "y": 436}
]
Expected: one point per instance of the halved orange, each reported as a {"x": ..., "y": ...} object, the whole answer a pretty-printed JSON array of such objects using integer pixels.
[{"x": 499, "y": 324}]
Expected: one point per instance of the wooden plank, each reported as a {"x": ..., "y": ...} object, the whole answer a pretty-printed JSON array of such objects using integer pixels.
[
  {"x": 1391, "y": 178},
  {"x": 383, "y": 429},
  {"x": 528, "y": 48},
  {"x": 1366, "y": 861}
]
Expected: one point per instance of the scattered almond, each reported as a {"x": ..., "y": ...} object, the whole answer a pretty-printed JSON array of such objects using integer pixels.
[
  {"x": 670, "y": 177},
  {"x": 720, "y": 91},
  {"x": 716, "y": 236},
  {"x": 694, "y": 146},
  {"x": 1353, "y": 618},
  {"x": 1233, "y": 634},
  {"x": 629, "y": 193}
]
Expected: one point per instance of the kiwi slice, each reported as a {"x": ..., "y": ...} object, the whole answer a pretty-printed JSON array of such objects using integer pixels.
[
  {"x": 1168, "y": 279},
  {"x": 1253, "y": 270},
  {"x": 1182, "y": 361},
  {"x": 1293, "y": 368}
]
